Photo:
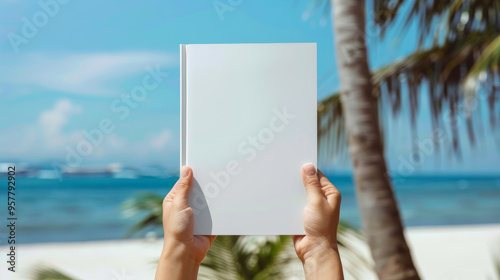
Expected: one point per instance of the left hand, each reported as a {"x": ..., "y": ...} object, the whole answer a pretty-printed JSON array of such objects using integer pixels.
[{"x": 181, "y": 249}]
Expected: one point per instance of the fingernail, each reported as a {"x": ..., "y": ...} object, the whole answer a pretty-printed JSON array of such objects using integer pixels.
[
  {"x": 184, "y": 171},
  {"x": 310, "y": 169}
]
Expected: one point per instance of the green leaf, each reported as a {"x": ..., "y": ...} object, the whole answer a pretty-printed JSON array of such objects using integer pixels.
[{"x": 49, "y": 274}]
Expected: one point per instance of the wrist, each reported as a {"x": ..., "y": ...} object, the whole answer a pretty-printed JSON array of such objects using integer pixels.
[
  {"x": 322, "y": 261},
  {"x": 179, "y": 252},
  {"x": 178, "y": 262},
  {"x": 320, "y": 255},
  {"x": 318, "y": 248},
  {"x": 323, "y": 266}
]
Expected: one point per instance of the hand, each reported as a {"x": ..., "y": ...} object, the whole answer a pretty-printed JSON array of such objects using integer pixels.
[
  {"x": 318, "y": 249},
  {"x": 182, "y": 251}
]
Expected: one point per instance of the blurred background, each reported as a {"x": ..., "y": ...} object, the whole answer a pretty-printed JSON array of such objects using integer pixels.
[{"x": 89, "y": 110}]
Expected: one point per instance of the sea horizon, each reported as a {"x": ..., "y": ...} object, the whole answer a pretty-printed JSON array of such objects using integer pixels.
[{"x": 90, "y": 208}]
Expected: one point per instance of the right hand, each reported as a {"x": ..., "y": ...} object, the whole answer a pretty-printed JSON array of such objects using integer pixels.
[{"x": 318, "y": 249}]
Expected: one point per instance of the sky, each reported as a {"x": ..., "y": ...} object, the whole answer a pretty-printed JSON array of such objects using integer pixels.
[{"x": 69, "y": 68}]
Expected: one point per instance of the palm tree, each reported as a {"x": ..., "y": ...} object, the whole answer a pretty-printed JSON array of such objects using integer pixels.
[
  {"x": 459, "y": 64},
  {"x": 459, "y": 67},
  {"x": 379, "y": 211}
]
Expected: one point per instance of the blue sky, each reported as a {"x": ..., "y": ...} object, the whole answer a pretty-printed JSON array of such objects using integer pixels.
[{"x": 63, "y": 79}]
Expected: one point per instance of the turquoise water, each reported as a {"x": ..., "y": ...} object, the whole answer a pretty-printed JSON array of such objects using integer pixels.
[{"x": 82, "y": 209}]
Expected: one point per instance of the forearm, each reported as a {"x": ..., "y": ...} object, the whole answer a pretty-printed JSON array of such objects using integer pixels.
[
  {"x": 326, "y": 265},
  {"x": 175, "y": 265}
]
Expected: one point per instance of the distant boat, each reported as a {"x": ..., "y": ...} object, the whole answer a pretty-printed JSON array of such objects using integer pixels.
[
  {"x": 126, "y": 173},
  {"x": 87, "y": 173},
  {"x": 19, "y": 173}
]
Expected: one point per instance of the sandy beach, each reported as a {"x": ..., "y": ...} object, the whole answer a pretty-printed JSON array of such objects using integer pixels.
[
  {"x": 452, "y": 252},
  {"x": 458, "y": 252}
]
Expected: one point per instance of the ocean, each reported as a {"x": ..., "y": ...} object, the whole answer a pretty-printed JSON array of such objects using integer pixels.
[{"x": 85, "y": 209}]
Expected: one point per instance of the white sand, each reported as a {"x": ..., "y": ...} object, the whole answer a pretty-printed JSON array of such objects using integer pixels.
[
  {"x": 458, "y": 252},
  {"x": 462, "y": 252}
]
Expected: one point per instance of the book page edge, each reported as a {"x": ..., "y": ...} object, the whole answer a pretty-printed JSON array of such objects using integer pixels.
[{"x": 183, "y": 115}]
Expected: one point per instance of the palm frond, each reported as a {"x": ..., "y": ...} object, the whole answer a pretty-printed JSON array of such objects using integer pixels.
[
  {"x": 249, "y": 257},
  {"x": 273, "y": 257},
  {"x": 354, "y": 263},
  {"x": 49, "y": 274},
  {"x": 219, "y": 263},
  {"x": 467, "y": 49},
  {"x": 445, "y": 20},
  {"x": 332, "y": 136},
  {"x": 443, "y": 69},
  {"x": 488, "y": 62},
  {"x": 146, "y": 203}
]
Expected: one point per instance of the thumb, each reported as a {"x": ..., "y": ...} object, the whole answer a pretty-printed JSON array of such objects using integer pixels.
[
  {"x": 312, "y": 184},
  {"x": 183, "y": 185}
]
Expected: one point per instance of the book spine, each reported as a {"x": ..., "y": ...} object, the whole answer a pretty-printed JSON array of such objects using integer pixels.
[{"x": 183, "y": 105}]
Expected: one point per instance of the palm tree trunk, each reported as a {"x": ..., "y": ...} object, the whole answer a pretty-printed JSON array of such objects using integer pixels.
[{"x": 379, "y": 211}]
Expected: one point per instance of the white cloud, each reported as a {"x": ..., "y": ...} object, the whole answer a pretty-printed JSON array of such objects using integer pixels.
[
  {"x": 79, "y": 73},
  {"x": 50, "y": 137},
  {"x": 44, "y": 137},
  {"x": 51, "y": 122}
]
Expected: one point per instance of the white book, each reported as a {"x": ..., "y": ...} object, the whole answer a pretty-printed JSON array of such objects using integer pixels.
[{"x": 248, "y": 124}]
